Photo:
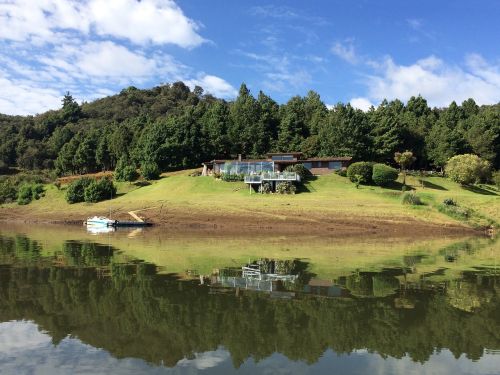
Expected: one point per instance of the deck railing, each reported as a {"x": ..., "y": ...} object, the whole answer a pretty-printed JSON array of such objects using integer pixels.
[{"x": 272, "y": 176}]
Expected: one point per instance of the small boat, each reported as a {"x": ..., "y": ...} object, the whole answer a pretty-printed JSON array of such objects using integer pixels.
[{"x": 100, "y": 221}]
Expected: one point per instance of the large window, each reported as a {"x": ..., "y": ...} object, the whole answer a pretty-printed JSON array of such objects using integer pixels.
[
  {"x": 247, "y": 168},
  {"x": 335, "y": 165}
]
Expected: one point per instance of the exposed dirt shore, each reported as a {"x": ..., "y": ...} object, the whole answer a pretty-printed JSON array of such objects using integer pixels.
[{"x": 191, "y": 219}]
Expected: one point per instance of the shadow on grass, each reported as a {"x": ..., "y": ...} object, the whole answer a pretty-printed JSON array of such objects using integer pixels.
[
  {"x": 478, "y": 190},
  {"x": 430, "y": 185},
  {"x": 305, "y": 187},
  {"x": 397, "y": 186},
  {"x": 141, "y": 183}
]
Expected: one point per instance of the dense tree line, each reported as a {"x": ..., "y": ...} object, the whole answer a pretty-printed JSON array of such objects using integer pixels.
[{"x": 172, "y": 127}]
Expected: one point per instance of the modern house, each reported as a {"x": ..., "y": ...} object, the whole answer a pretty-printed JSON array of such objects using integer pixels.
[{"x": 275, "y": 162}]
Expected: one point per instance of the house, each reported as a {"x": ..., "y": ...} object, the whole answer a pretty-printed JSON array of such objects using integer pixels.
[{"x": 276, "y": 162}]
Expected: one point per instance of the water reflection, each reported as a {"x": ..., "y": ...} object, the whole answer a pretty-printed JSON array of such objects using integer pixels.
[{"x": 265, "y": 314}]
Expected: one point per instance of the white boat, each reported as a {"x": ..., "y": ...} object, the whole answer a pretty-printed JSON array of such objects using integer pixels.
[{"x": 100, "y": 221}]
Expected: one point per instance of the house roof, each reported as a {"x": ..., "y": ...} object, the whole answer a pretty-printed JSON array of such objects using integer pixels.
[
  {"x": 284, "y": 153},
  {"x": 330, "y": 158}
]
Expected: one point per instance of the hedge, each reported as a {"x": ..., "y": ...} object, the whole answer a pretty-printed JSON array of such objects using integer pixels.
[
  {"x": 363, "y": 169},
  {"x": 384, "y": 175}
]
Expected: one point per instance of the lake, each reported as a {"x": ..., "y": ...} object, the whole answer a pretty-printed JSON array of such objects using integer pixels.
[{"x": 158, "y": 302}]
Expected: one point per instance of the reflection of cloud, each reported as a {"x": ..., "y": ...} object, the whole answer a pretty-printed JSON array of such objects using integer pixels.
[
  {"x": 206, "y": 360},
  {"x": 19, "y": 336}
]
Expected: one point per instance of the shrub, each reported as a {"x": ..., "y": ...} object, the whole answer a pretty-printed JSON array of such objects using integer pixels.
[
  {"x": 341, "y": 172},
  {"x": 449, "y": 202},
  {"x": 100, "y": 190},
  {"x": 125, "y": 171},
  {"x": 467, "y": 169},
  {"x": 76, "y": 189},
  {"x": 232, "y": 177},
  {"x": 384, "y": 175},
  {"x": 363, "y": 169},
  {"x": 8, "y": 191},
  {"x": 25, "y": 194},
  {"x": 411, "y": 199},
  {"x": 460, "y": 213},
  {"x": 285, "y": 187},
  {"x": 150, "y": 171},
  {"x": 496, "y": 179},
  {"x": 302, "y": 171},
  {"x": 265, "y": 188}
]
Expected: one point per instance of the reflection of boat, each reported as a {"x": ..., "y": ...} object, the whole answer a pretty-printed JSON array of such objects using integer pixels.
[
  {"x": 99, "y": 229},
  {"x": 100, "y": 221}
]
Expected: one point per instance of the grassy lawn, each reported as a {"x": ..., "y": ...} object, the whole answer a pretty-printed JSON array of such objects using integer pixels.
[{"x": 329, "y": 195}]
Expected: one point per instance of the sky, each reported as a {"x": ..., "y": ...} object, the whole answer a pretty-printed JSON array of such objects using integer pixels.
[{"x": 357, "y": 52}]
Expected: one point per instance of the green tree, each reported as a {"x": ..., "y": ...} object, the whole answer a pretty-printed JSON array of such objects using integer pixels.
[
  {"x": 292, "y": 129},
  {"x": 405, "y": 160},
  {"x": 467, "y": 169}
]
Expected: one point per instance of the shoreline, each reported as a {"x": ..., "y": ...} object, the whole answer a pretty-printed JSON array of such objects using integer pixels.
[{"x": 326, "y": 225}]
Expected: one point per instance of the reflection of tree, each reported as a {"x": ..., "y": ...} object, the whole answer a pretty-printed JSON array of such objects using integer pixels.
[
  {"x": 87, "y": 253},
  {"x": 135, "y": 312}
]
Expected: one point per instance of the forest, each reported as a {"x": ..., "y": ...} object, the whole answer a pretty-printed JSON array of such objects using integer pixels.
[{"x": 173, "y": 127}]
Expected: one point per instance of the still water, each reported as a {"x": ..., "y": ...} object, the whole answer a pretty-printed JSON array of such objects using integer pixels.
[{"x": 153, "y": 302}]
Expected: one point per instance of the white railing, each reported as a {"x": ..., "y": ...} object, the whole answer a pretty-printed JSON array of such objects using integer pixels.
[{"x": 272, "y": 176}]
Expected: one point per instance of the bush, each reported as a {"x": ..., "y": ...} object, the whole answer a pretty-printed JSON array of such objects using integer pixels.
[
  {"x": 412, "y": 199},
  {"x": 125, "y": 171},
  {"x": 496, "y": 179},
  {"x": 363, "y": 169},
  {"x": 341, "y": 172},
  {"x": 8, "y": 191},
  {"x": 265, "y": 188},
  {"x": 232, "y": 177},
  {"x": 384, "y": 175},
  {"x": 150, "y": 171},
  {"x": 467, "y": 169},
  {"x": 449, "y": 202},
  {"x": 76, "y": 189},
  {"x": 302, "y": 171},
  {"x": 25, "y": 194},
  {"x": 459, "y": 213},
  {"x": 100, "y": 190},
  {"x": 285, "y": 187}
]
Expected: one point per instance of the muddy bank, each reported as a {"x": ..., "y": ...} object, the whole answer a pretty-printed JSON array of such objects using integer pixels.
[{"x": 191, "y": 219}]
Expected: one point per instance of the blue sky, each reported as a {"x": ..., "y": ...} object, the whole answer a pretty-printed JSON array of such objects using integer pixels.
[{"x": 349, "y": 51}]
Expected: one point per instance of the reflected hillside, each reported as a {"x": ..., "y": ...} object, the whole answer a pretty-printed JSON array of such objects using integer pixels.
[{"x": 131, "y": 308}]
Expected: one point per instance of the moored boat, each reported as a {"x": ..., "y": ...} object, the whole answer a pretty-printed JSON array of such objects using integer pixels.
[{"x": 100, "y": 221}]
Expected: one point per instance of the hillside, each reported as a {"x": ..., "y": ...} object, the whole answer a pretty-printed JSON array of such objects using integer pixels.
[{"x": 330, "y": 204}]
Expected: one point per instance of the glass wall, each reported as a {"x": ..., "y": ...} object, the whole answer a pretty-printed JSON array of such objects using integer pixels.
[{"x": 247, "y": 168}]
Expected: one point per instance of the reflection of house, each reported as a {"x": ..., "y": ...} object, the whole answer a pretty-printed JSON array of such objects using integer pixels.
[
  {"x": 287, "y": 285},
  {"x": 275, "y": 162}
]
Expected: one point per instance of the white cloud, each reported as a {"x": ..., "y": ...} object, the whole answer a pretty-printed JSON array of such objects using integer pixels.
[
  {"x": 281, "y": 73},
  {"x": 361, "y": 103},
  {"x": 19, "y": 97},
  {"x": 213, "y": 85},
  {"x": 437, "y": 81},
  {"x": 146, "y": 21},
  {"x": 91, "y": 48},
  {"x": 156, "y": 21},
  {"x": 345, "y": 51}
]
